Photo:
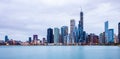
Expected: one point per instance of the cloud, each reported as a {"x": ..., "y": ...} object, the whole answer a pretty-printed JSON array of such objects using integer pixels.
[{"x": 23, "y": 18}]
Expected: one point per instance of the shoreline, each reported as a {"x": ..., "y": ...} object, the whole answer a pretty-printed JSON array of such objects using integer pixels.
[{"x": 60, "y": 45}]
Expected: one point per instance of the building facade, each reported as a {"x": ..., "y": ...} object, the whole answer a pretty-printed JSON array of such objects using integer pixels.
[
  {"x": 72, "y": 31},
  {"x": 119, "y": 32},
  {"x": 50, "y": 35},
  {"x": 106, "y": 32},
  {"x": 80, "y": 28},
  {"x": 6, "y": 38},
  {"x": 56, "y": 35},
  {"x": 64, "y": 32},
  {"x": 111, "y": 36}
]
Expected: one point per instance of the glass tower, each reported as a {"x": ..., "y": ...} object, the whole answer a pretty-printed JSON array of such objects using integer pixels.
[
  {"x": 64, "y": 32},
  {"x": 56, "y": 35},
  {"x": 80, "y": 28},
  {"x": 50, "y": 35},
  {"x": 106, "y": 31}
]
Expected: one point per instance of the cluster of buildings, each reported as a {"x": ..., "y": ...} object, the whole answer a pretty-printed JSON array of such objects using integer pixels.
[{"x": 77, "y": 36}]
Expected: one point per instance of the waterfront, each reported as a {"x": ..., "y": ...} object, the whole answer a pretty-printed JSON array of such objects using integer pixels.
[{"x": 59, "y": 52}]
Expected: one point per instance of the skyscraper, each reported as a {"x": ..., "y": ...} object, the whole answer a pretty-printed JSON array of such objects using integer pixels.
[
  {"x": 64, "y": 32},
  {"x": 35, "y": 37},
  {"x": 80, "y": 28},
  {"x": 106, "y": 31},
  {"x": 56, "y": 35},
  {"x": 111, "y": 36},
  {"x": 30, "y": 39},
  {"x": 75, "y": 33},
  {"x": 102, "y": 38},
  {"x": 6, "y": 38},
  {"x": 72, "y": 28},
  {"x": 119, "y": 31},
  {"x": 50, "y": 35}
]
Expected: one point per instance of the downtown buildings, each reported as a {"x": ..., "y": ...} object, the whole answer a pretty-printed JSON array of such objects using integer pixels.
[
  {"x": 109, "y": 34},
  {"x": 77, "y": 36}
]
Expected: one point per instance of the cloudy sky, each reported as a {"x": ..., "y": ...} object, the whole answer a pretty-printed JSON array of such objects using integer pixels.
[{"x": 20, "y": 19}]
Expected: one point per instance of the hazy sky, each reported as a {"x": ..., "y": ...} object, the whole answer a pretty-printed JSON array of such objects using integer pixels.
[{"x": 20, "y": 19}]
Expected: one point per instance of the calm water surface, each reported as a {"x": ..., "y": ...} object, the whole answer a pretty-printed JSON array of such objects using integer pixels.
[{"x": 59, "y": 52}]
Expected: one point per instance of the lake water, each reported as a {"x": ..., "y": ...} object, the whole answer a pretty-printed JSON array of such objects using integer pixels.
[{"x": 59, "y": 52}]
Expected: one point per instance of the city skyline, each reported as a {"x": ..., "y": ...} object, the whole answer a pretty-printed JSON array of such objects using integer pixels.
[
  {"x": 77, "y": 36},
  {"x": 22, "y": 21}
]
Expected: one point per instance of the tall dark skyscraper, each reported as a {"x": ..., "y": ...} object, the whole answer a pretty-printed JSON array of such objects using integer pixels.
[
  {"x": 6, "y": 38},
  {"x": 50, "y": 35},
  {"x": 81, "y": 19},
  {"x": 80, "y": 28},
  {"x": 119, "y": 31}
]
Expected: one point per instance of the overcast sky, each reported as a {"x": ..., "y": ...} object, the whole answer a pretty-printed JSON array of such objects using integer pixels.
[{"x": 20, "y": 19}]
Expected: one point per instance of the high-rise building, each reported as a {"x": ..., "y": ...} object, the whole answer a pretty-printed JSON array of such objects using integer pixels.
[
  {"x": 30, "y": 39},
  {"x": 50, "y": 35},
  {"x": 6, "y": 38},
  {"x": 72, "y": 30},
  {"x": 56, "y": 35},
  {"x": 119, "y": 31},
  {"x": 106, "y": 32},
  {"x": 116, "y": 39},
  {"x": 84, "y": 36},
  {"x": 102, "y": 38},
  {"x": 64, "y": 32},
  {"x": 80, "y": 28},
  {"x": 75, "y": 34},
  {"x": 35, "y": 37},
  {"x": 111, "y": 36}
]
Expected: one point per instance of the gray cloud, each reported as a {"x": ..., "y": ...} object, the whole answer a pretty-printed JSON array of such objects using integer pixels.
[{"x": 22, "y": 18}]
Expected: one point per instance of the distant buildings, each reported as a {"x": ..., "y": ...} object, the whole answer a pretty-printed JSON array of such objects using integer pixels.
[
  {"x": 116, "y": 40},
  {"x": 93, "y": 39},
  {"x": 50, "y": 38},
  {"x": 77, "y": 36},
  {"x": 109, "y": 34},
  {"x": 119, "y": 32},
  {"x": 6, "y": 38},
  {"x": 80, "y": 28},
  {"x": 106, "y": 31},
  {"x": 30, "y": 39},
  {"x": 35, "y": 39},
  {"x": 64, "y": 33},
  {"x": 56, "y": 35},
  {"x": 102, "y": 38},
  {"x": 72, "y": 31}
]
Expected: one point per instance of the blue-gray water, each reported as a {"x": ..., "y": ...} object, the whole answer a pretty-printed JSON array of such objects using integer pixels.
[{"x": 59, "y": 52}]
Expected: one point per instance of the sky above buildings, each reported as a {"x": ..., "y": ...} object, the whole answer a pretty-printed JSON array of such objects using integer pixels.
[{"x": 20, "y": 19}]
